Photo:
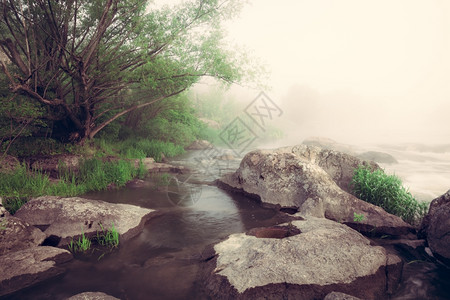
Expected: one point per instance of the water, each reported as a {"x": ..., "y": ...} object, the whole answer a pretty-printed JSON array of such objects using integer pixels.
[{"x": 162, "y": 261}]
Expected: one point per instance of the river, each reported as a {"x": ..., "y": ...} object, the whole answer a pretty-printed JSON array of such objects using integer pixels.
[{"x": 162, "y": 261}]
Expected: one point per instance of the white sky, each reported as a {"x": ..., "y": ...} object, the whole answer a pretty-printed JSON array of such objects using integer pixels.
[{"x": 392, "y": 57}]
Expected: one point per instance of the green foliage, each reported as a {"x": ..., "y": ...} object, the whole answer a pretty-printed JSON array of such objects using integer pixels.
[
  {"x": 387, "y": 191},
  {"x": 358, "y": 217},
  {"x": 139, "y": 54},
  {"x": 32, "y": 146},
  {"x": 108, "y": 237},
  {"x": 12, "y": 204},
  {"x": 161, "y": 179},
  {"x": 81, "y": 245},
  {"x": 93, "y": 175}
]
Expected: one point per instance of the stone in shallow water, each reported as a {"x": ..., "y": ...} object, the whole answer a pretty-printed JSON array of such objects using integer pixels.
[
  {"x": 314, "y": 181},
  {"x": 67, "y": 218},
  {"x": 24, "y": 268},
  {"x": 326, "y": 256}
]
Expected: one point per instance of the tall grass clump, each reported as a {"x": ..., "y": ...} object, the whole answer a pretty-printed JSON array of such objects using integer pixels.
[
  {"x": 388, "y": 192},
  {"x": 21, "y": 184}
]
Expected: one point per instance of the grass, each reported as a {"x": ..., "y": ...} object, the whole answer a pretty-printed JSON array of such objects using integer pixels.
[
  {"x": 108, "y": 238},
  {"x": 81, "y": 245},
  {"x": 358, "y": 217},
  {"x": 104, "y": 242},
  {"x": 141, "y": 148},
  {"x": 93, "y": 175},
  {"x": 388, "y": 192}
]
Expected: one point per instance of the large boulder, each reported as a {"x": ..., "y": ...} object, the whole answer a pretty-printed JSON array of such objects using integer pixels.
[
  {"x": 325, "y": 257},
  {"x": 313, "y": 180},
  {"x": 16, "y": 234},
  {"x": 27, "y": 267},
  {"x": 436, "y": 227},
  {"x": 62, "y": 219}
]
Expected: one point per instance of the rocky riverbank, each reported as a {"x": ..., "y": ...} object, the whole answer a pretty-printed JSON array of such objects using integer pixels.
[
  {"x": 326, "y": 256},
  {"x": 33, "y": 243}
]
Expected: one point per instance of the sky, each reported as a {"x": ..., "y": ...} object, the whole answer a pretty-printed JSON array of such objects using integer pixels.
[{"x": 354, "y": 70}]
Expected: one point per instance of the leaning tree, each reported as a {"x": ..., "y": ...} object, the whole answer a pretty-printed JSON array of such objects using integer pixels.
[{"x": 88, "y": 62}]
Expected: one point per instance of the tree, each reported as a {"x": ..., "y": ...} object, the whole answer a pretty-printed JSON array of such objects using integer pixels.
[{"x": 88, "y": 62}]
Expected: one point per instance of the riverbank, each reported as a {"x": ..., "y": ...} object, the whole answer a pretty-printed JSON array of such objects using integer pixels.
[{"x": 164, "y": 259}]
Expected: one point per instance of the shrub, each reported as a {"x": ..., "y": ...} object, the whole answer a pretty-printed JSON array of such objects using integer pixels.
[{"x": 387, "y": 191}]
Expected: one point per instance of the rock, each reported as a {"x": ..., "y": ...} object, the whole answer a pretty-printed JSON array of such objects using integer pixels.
[
  {"x": 66, "y": 218},
  {"x": 153, "y": 167},
  {"x": 436, "y": 227},
  {"x": 199, "y": 145},
  {"x": 326, "y": 256},
  {"x": 339, "y": 296},
  {"x": 16, "y": 235},
  {"x": 314, "y": 181},
  {"x": 379, "y": 157},
  {"x": 92, "y": 296},
  {"x": 24, "y": 268}
]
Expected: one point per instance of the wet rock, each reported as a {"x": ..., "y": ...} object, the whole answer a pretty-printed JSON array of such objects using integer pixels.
[
  {"x": 379, "y": 157},
  {"x": 24, "y": 268},
  {"x": 199, "y": 145},
  {"x": 339, "y": 296},
  {"x": 436, "y": 227},
  {"x": 92, "y": 296},
  {"x": 67, "y": 218},
  {"x": 313, "y": 181},
  {"x": 326, "y": 256},
  {"x": 16, "y": 235}
]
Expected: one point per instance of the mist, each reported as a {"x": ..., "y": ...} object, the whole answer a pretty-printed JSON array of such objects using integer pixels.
[{"x": 355, "y": 71}]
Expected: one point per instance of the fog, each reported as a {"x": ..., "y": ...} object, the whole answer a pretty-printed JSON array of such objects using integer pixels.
[
  {"x": 356, "y": 71},
  {"x": 371, "y": 74}
]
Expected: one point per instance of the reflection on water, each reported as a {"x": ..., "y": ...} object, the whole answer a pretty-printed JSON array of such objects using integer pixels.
[{"x": 424, "y": 280}]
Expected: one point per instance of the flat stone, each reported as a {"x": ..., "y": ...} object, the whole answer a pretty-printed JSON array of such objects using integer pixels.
[
  {"x": 30, "y": 266},
  {"x": 326, "y": 256},
  {"x": 66, "y": 218}
]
